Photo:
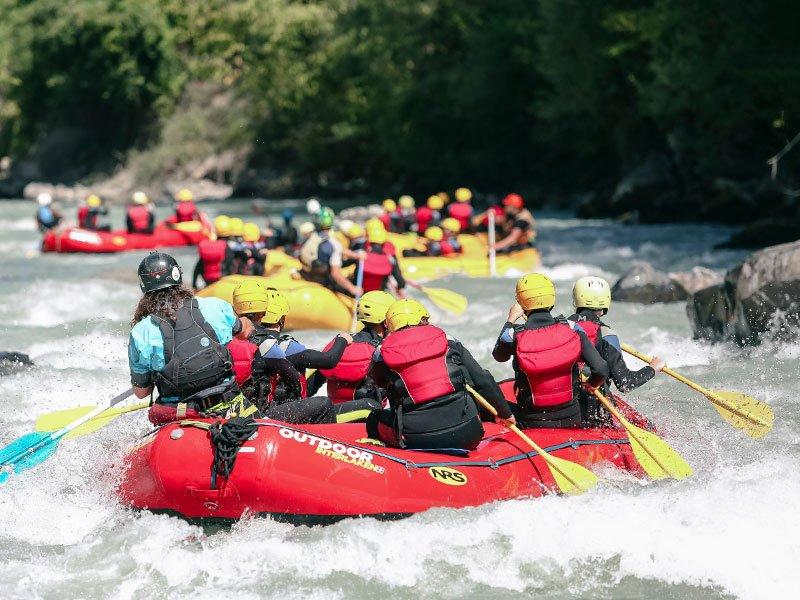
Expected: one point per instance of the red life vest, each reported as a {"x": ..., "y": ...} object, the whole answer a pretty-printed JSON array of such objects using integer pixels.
[
  {"x": 185, "y": 211},
  {"x": 83, "y": 217},
  {"x": 212, "y": 253},
  {"x": 418, "y": 354},
  {"x": 547, "y": 357},
  {"x": 424, "y": 218},
  {"x": 377, "y": 267},
  {"x": 461, "y": 211},
  {"x": 140, "y": 218},
  {"x": 446, "y": 247},
  {"x": 592, "y": 330},
  {"x": 275, "y": 381},
  {"x": 345, "y": 378},
  {"x": 242, "y": 352}
]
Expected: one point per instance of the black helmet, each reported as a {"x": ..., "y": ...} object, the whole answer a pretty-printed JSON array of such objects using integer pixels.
[{"x": 158, "y": 271}]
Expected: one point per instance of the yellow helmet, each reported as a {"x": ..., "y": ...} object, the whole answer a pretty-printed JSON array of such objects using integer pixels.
[
  {"x": 452, "y": 225},
  {"x": 406, "y": 201},
  {"x": 445, "y": 198},
  {"x": 389, "y": 205},
  {"x": 184, "y": 195},
  {"x": 222, "y": 226},
  {"x": 277, "y": 307},
  {"x": 249, "y": 297},
  {"x": 140, "y": 197},
  {"x": 237, "y": 226},
  {"x": 355, "y": 231},
  {"x": 463, "y": 195},
  {"x": 306, "y": 228},
  {"x": 374, "y": 223},
  {"x": 435, "y": 203},
  {"x": 93, "y": 200},
  {"x": 434, "y": 234},
  {"x": 372, "y": 306},
  {"x": 251, "y": 232},
  {"x": 591, "y": 292},
  {"x": 535, "y": 291},
  {"x": 403, "y": 313}
]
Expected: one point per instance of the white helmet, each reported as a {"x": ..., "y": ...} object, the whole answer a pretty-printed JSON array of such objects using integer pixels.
[
  {"x": 307, "y": 228},
  {"x": 139, "y": 197},
  {"x": 44, "y": 199},
  {"x": 313, "y": 206},
  {"x": 591, "y": 292}
]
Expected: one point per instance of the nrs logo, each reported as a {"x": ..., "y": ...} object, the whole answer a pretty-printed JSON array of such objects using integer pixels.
[{"x": 447, "y": 476}]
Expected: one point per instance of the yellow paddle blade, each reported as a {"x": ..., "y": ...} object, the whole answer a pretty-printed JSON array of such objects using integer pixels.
[
  {"x": 446, "y": 299},
  {"x": 743, "y": 412},
  {"x": 189, "y": 226},
  {"x": 571, "y": 478},
  {"x": 658, "y": 459},
  {"x": 56, "y": 420}
]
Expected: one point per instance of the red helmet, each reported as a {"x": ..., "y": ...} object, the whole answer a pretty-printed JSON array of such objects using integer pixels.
[
  {"x": 498, "y": 210},
  {"x": 514, "y": 200}
]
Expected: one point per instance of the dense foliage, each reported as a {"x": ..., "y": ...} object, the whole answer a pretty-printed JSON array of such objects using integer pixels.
[{"x": 430, "y": 92}]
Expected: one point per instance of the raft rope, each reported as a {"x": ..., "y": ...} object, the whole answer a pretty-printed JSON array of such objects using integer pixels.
[
  {"x": 227, "y": 438},
  {"x": 493, "y": 464}
]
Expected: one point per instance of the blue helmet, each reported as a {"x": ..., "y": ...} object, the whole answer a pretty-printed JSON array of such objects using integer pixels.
[{"x": 288, "y": 214}]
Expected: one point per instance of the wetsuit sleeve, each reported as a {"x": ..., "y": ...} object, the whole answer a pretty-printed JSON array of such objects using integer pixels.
[
  {"x": 198, "y": 270},
  {"x": 379, "y": 371},
  {"x": 315, "y": 359},
  {"x": 219, "y": 314},
  {"x": 484, "y": 383},
  {"x": 625, "y": 379},
  {"x": 504, "y": 346},
  {"x": 316, "y": 381},
  {"x": 128, "y": 223},
  {"x": 592, "y": 357},
  {"x": 151, "y": 222},
  {"x": 397, "y": 273}
]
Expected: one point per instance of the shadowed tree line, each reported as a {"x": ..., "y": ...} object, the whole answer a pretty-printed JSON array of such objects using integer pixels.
[{"x": 358, "y": 95}]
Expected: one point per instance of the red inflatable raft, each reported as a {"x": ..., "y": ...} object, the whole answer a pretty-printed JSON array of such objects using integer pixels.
[
  {"x": 74, "y": 239},
  {"x": 321, "y": 473}
]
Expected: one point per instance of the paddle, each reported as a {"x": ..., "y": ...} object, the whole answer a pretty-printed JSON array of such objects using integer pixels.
[
  {"x": 34, "y": 448},
  {"x": 359, "y": 283},
  {"x": 655, "y": 456},
  {"x": 188, "y": 227},
  {"x": 492, "y": 252},
  {"x": 61, "y": 418},
  {"x": 571, "y": 478},
  {"x": 447, "y": 300},
  {"x": 743, "y": 412}
]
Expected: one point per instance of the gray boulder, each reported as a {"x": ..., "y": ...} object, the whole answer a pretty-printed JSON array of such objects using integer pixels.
[
  {"x": 645, "y": 284},
  {"x": 697, "y": 279},
  {"x": 760, "y": 298}
]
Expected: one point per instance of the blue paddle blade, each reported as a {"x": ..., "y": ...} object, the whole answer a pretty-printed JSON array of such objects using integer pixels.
[{"x": 9, "y": 453}]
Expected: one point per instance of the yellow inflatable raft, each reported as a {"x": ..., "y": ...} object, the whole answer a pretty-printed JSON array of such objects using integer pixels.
[
  {"x": 433, "y": 267},
  {"x": 311, "y": 306}
]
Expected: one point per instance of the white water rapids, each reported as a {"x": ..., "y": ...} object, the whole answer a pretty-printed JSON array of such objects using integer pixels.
[{"x": 733, "y": 530}]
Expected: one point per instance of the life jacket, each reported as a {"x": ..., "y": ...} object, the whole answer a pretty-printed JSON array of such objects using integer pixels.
[
  {"x": 83, "y": 218},
  {"x": 426, "y": 217},
  {"x": 212, "y": 255},
  {"x": 527, "y": 236},
  {"x": 45, "y": 217},
  {"x": 419, "y": 356},
  {"x": 194, "y": 358},
  {"x": 377, "y": 268},
  {"x": 309, "y": 254},
  {"x": 461, "y": 211},
  {"x": 447, "y": 248},
  {"x": 185, "y": 211},
  {"x": 547, "y": 357},
  {"x": 591, "y": 329},
  {"x": 277, "y": 389},
  {"x": 345, "y": 378},
  {"x": 140, "y": 218},
  {"x": 242, "y": 353}
]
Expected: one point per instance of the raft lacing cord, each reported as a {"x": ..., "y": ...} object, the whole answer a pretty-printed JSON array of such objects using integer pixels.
[
  {"x": 773, "y": 163},
  {"x": 227, "y": 438},
  {"x": 491, "y": 463}
]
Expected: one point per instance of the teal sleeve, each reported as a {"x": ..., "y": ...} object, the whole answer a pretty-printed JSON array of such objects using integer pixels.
[
  {"x": 145, "y": 348},
  {"x": 219, "y": 314}
]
